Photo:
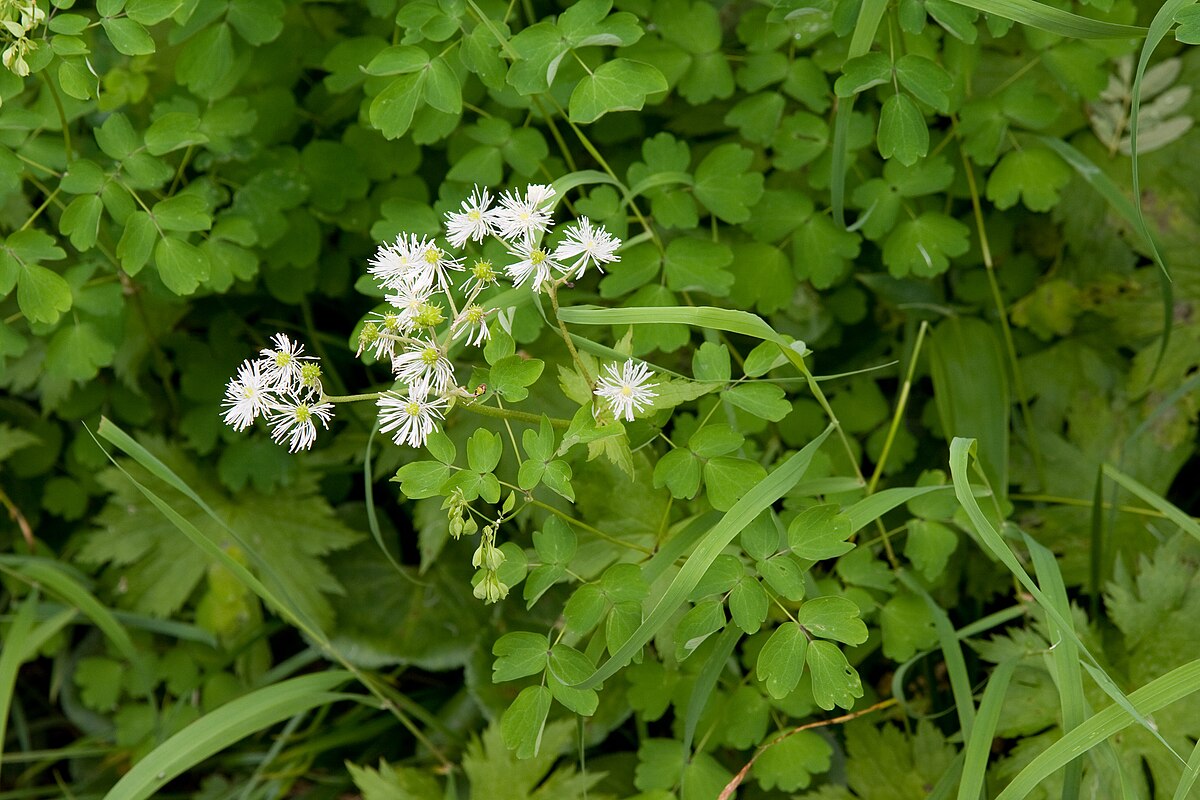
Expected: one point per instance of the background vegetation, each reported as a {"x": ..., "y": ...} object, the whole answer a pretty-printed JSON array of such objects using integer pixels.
[{"x": 854, "y": 231}]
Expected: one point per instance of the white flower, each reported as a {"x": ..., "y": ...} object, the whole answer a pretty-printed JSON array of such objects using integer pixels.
[
  {"x": 590, "y": 245},
  {"x": 532, "y": 262},
  {"x": 424, "y": 362},
  {"x": 409, "y": 299},
  {"x": 295, "y": 420},
  {"x": 473, "y": 317},
  {"x": 281, "y": 366},
  {"x": 431, "y": 263},
  {"x": 392, "y": 263},
  {"x": 473, "y": 223},
  {"x": 626, "y": 391},
  {"x": 523, "y": 217},
  {"x": 246, "y": 396},
  {"x": 413, "y": 417}
]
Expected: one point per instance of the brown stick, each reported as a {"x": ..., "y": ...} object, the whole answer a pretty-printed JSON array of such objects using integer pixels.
[
  {"x": 732, "y": 786},
  {"x": 19, "y": 518}
]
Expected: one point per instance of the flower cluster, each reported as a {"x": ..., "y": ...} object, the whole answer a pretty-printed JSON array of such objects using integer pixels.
[
  {"x": 18, "y": 18},
  {"x": 283, "y": 386},
  {"x": 435, "y": 302},
  {"x": 434, "y": 296}
]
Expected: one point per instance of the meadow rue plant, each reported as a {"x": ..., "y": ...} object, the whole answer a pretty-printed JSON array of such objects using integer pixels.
[
  {"x": 677, "y": 312},
  {"x": 436, "y": 301}
]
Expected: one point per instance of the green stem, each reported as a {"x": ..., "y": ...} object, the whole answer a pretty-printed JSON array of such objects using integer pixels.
[
  {"x": 516, "y": 416},
  {"x": 581, "y": 524},
  {"x": 62, "y": 116},
  {"x": 350, "y": 398},
  {"x": 566, "y": 335}
]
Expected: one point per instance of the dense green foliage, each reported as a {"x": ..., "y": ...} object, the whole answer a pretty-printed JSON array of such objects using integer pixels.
[{"x": 916, "y": 477}]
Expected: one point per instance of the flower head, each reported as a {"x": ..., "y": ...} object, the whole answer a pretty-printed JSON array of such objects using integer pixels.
[
  {"x": 472, "y": 318},
  {"x": 247, "y": 396},
  {"x": 532, "y": 262},
  {"x": 432, "y": 263},
  {"x": 412, "y": 417},
  {"x": 281, "y": 365},
  {"x": 295, "y": 420},
  {"x": 393, "y": 263},
  {"x": 473, "y": 222},
  {"x": 424, "y": 362},
  {"x": 524, "y": 217},
  {"x": 626, "y": 391},
  {"x": 483, "y": 275},
  {"x": 588, "y": 245}
]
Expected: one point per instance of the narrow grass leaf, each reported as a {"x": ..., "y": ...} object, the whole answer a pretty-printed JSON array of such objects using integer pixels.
[
  {"x": 960, "y": 451},
  {"x": 223, "y": 727},
  {"x": 979, "y": 746},
  {"x": 1158, "y": 693},
  {"x": 1064, "y": 657},
  {"x": 706, "y": 683},
  {"x": 871, "y": 508},
  {"x": 53, "y": 577},
  {"x": 292, "y": 611},
  {"x": 956, "y": 664},
  {"x": 1054, "y": 20},
  {"x": 1184, "y": 788},
  {"x": 1168, "y": 509},
  {"x": 372, "y": 517},
  {"x": 1131, "y": 213},
  {"x": 761, "y": 497},
  {"x": 865, "y": 28},
  {"x": 20, "y": 643}
]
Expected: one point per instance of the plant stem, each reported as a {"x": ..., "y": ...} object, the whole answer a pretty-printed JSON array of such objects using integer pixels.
[
  {"x": 553, "y": 292},
  {"x": 581, "y": 524},
  {"x": 350, "y": 398},
  {"x": 62, "y": 117},
  {"x": 516, "y": 416}
]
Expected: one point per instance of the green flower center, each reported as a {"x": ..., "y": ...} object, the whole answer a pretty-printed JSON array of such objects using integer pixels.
[
  {"x": 302, "y": 413},
  {"x": 310, "y": 374},
  {"x": 626, "y": 391},
  {"x": 433, "y": 256},
  {"x": 536, "y": 257},
  {"x": 429, "y": 356},
  {"x": 483, "y": 271},
  {"x": 283, "y": 359},
  {"x": 413, "y": 409}
]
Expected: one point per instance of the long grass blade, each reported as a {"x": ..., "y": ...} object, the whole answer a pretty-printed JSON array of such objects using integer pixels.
[
  {"x": 1064, "y": 658},
  {"x": 865, "y": 28},
  {"x": 1158, "y": 693},
  {"x": 1168, "y": 509},
  {"x": 956, "y": 664},
  {"x": 706, "y": 683},
  {"x": 1132, "y": 213},
  {"x": 1184, "y": 788},
  {"x": 223, "y": 727},
  {"x": 284, "y": 606},
  {"x": 1054, "y": 20},
  {"x": 979, "y": 745},
  {"x": 754, "y": 502},
  {"x": 872, "y": 507},
  {"x": 960, "y": 451},
  {"x": 53, "y": 577}
]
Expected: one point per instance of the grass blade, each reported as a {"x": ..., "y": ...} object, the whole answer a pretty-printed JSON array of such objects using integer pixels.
[
  {"x": 1189, "y": 775},
  {"x": 960, "y": 451},
  {"x": 1168, "y": 509},
  {"x": 1064, "y": 657},
  {"x": 724, "y": 319},
  {"x": 706, "y": 683},
  {"x": 979, "y": 745},
  {"x": 1131, "y": 213},
  {"x": 872, "y": 507},
  {"x": 20, "y": 645},
  {"x": 754, "y": 502},
  {"x": 53, "y": 577},
  {"x": 223, "y": 727},
  {"x": 1054, "y": 20},
  {"x": 1158, "y": 693},
  {"x": 956, "y": 664},
  {"x": 865, "y": 27}
]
